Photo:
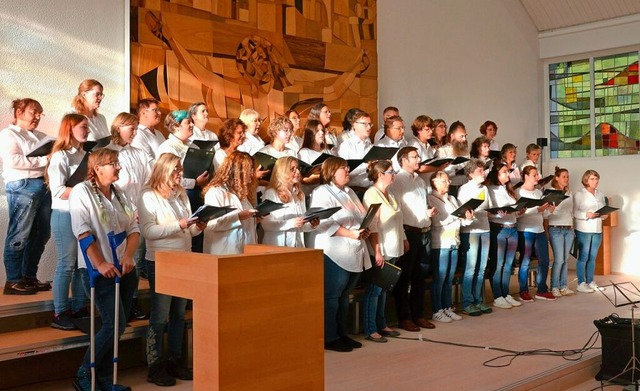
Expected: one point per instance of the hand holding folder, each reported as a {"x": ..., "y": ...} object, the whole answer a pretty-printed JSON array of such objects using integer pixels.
[{"x": 209, "y": 212}]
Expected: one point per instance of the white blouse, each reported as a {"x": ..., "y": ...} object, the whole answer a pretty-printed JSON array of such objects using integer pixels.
[
  {"x": 98, "y": 127},
  {"x": 500, "y": 197},
  {"x": 63, "y": 164},
  {"x": 228, "y": 234},
  {"x": 445, "y": 228},
  {"x": 278, "y": 225},
  {"x": 149, "y": 140},
  {"x": 350, "y": 254},
  {"x": 204, "y": 134},
  {"x": 251, "y": 144},
  {"x": 563, "y": 214},
  {"x": 135, "y": 169},
  {"x": 584, "y": 202},
  {"x": 160, "y": 222},
  {"x": 355, "y": 148},
  {"x": 531, "y": 220},
  {"x": 15, "y": 145},
  {"x": 471, "y": 190},
  {"x": 86, "y": 212},
  {"x": 175, "y": 146}
]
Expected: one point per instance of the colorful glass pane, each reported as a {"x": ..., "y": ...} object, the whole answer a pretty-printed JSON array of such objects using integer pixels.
[
  {"x": 569, "y": 109},
  {"x": 616, "y": 108}
]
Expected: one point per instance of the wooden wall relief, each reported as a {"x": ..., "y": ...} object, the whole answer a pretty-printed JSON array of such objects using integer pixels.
[{"x": 268, "y": 55}]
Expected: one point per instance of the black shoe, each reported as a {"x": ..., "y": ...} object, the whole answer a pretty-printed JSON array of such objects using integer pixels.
[
  {"x": 338, "y": 346},
  {"x": 19, "y": 288},
  {"x": 83, "y": 313},
  {"x": 159, "y": 376},
  {"x": 137, "y": 313},
  {"x": 63, "y": 321},
  {"x": 351, "y": 342},
  {"x": 175, "y": 369},
  {"x": 40, "y": 286}
]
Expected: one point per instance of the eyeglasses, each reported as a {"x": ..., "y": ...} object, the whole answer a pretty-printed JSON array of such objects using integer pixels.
[
  {"x": 367, "y": 124},
  {"x": 346, "y": 168},
  {"x": 96, "y": 93},
  {"x": 287, "y": 130},
  {"x": 35, "y": 113},
  {"x": 114, "y": 164},
  {"x": 156, "y": 110},
  {"x": 413, "y": 157},
  {"x": 391, "y": 172},
  {"x": 178, "y": 169},
  {"x": 398, "y": 127}
]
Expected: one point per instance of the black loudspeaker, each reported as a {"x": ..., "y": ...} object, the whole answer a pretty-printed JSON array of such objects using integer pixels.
[
  {"x": 617, "y": 349},
  {"x": 542, "y": 141}
]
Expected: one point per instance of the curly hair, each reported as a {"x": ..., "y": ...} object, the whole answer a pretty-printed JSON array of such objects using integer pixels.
[
  {"x": 228, "y": 131},
  {"x": 278, "y": 124},
  {"x": 280, "y": 178},
  {"x": 236, "y": 174}
]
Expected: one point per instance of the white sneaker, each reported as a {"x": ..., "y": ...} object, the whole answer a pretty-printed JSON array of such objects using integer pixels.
[
  {"x": 556, "y": 292},
  {"x": 584, "y": 288},
  {"x": 440, "y": 316},
  {"x": 593, "y": 286},
  {"x": 510, "y": 300},
  {"x": 566, "y": 292},
  {"x": 500, "y": 302},
  {"x": 449, "y": 312}
]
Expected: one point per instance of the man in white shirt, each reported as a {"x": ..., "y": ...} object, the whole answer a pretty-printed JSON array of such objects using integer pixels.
[
  {"x": 148, "y": 138},
  {"x": 393, "y": 137},
  {"x": 457, "y": 146},
  {"x": 387, "y": 113},
  {"x": 411, "y": 193},
  {"x": 354, "y": 148}
]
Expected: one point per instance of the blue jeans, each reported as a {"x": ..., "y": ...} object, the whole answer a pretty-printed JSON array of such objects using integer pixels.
[
  {"x": 29, "y": 204},
  {"x": 105, "y": 302},
  {"x": 444, "y": 261},
  {"x": 539, "y": 240},
  {"x": 164, "y": 307},
  {"x": 504, "y": 241},
  {"x": 561, "y": 240},
  {"x": 67, "y": 272},
  {"x": 588, "y": 245},
  {"x": 338, "y": 284},
  {"x": 373, "y": 305},
  {"x": 410, "y": 288},
  {"x": 474, "y": 249}
]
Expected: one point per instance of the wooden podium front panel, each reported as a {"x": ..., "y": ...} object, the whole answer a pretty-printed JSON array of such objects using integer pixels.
[
  {"x": 603, "y": 259},
  {"x": 271, "y": 322},
  {"x": 257, "y": 317}
]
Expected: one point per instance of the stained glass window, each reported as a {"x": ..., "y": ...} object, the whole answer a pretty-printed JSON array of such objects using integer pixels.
[{"x": 615, "y": 113}]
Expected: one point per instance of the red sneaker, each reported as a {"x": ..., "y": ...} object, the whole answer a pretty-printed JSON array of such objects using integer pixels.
[
  {"x": 526, "y": 297},
  {"x": 545, "y": 296}
]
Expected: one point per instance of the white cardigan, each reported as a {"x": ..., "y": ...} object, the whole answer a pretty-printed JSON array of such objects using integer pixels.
[
  {"x": 159, "y": 222},
  {"x": 227, "y": 234},
  {"x": 278, "y": 225}
]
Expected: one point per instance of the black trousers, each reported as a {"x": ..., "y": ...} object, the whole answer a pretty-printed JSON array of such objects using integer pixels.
[{"x": 409, "y": 291}]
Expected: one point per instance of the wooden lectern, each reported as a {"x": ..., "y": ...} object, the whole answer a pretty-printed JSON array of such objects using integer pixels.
[
  {"x": 257, "y": 317},
  {"x": 603, "y": 259}
]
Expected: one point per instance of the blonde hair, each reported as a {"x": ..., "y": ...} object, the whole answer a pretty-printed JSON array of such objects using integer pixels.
[
  {"x": 277, "y": 124},
  {"x": 280, "y": 178},
  {"x": 587, "y": 174},
  {"x": 236, "y": 174},
  {"x": 161, "y": 180},
  {"x": 99, "y": 158},
  {"x": 248, "y": 115},
  {"x": 78, "y": 102},
  {"x": 122, "y": 119}
]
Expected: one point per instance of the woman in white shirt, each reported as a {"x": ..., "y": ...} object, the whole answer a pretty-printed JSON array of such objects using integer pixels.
[
  {"x": 199, "y": 115},
  {"x": 252, "y": 142},
  {"x": 531, "y": 232},
  {"x": 474, "y": 239},
  {"x": 508, "y": 154},
  {"x": 233, "y": 185},
  {"x": 588, "y": 226},
  {"x": 280, "y": 131},
  {"x": 180, "y": 128},
  {"x": 489, "y": 129},
  {"x": 164, "y": 212},
  {"x": 313, "y": 146},
  {"x": 286, "y": 227},
  {"x": 66, "y": 156},
  {"x": 387, "y": 243},
  {"x": 445, "y": 240},
  {"x": 232, "y": 134},
  {"x": 87, "y": 102},
  {"x": 345, "y": 252},
  {"x": 321, "y": 112},
  {"x": 504, "y": 236},
  {"x": 296, "y": 139},
  {"x": 561, "y": 234},
  {"x": 99, "y": 207},
  {"x": 28, "y": 199}
]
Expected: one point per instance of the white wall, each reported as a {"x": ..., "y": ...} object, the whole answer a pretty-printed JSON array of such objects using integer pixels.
[
  {"x": 48, "y": 48},
  {"x": 461, "y": 60},
  {"x": 618, "y": 176}
]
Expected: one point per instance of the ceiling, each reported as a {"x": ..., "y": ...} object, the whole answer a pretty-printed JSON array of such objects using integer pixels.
[{"x": 555, "y": 14}]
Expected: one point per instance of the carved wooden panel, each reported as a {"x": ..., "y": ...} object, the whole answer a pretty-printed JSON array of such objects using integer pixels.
[{"x": 268, "y": 55}]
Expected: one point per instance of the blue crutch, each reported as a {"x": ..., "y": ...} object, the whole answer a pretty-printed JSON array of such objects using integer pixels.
[{"x": 114, "y": 242}]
